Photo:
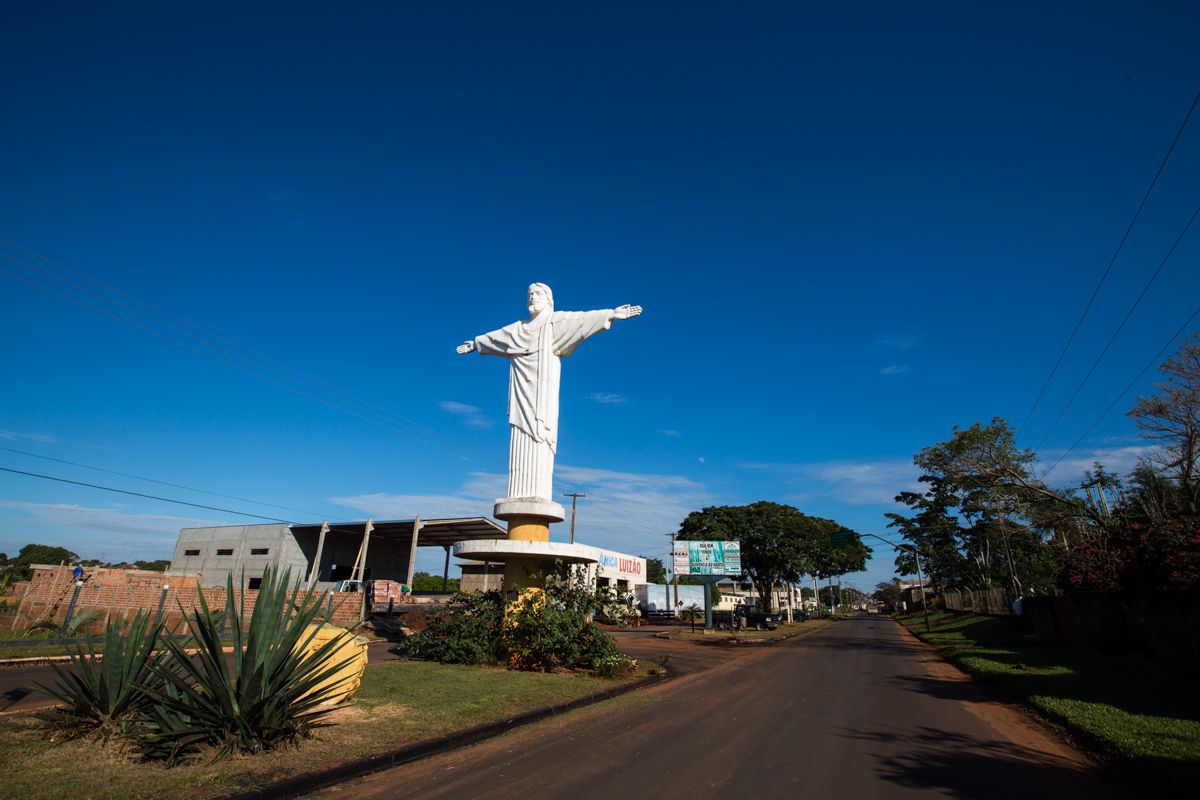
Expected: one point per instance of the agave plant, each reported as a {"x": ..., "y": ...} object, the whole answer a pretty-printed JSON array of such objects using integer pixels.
[
  {"x": 77, "y": 623},
  {"x": 103, "y": 693},
  {"x": 275, "y": 693}
]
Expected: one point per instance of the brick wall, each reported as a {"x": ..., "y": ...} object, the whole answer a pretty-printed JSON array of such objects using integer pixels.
[{"x": 121, "y": 593}]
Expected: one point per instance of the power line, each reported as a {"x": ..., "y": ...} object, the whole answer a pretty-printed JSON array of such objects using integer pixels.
[
  {"x": 139, "y": 494},
  {"x": 1120, "y": 327},
  {"x": 210, "y": 334},
  {"x": 1128, "y": 386},
  {"x": 377, "y": 416},
  {"x": 1111, "y": 261},
  {"x": 633, "y": 519},
  {"x": 161, "y": 483},
  {"x": 382, "y": 423}
]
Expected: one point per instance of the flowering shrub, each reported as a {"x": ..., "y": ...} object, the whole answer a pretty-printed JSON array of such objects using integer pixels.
[
  {"x": 539, "y": 631},
  {"x": 1139, "y": 555}
]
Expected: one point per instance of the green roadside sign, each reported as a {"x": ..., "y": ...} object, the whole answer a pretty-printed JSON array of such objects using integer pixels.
[
  {"x": 707, "y": 558},
  {"x": 843, "y": 538}
]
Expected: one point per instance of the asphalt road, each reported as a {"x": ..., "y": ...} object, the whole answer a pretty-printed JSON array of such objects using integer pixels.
[{"x": 859, "y": 709}]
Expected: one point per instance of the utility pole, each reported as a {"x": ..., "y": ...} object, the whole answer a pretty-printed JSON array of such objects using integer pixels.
[
  {"x": 574, "y": 496},
  {"x": 920, "y": 577},
  {"x": 674, "y": 575}
]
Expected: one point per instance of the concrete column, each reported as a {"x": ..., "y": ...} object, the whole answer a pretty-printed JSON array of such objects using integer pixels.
[
  {"x": 362, "y": 551},
  {"x": 412, "y": 552},
  {"x": 446, "y": 569},
  {"x": 519, "y": 572},
  {"x": 315, "y": 572}
]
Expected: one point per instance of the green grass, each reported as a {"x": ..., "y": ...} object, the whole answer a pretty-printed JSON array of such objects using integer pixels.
[
  {"x": 1138, "y": 711},
  {"x": 35, "y": 650},
  {"x": 399, "y": 703}
]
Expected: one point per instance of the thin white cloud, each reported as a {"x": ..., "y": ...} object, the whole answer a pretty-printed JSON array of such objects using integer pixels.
[
  {"x": 108, "y": 532},
  {"x": 878, "y": 481},
  {"x": 472, "y": 416},
  {"x": 625, "y": 511},
  {"x": 631, "y": 511},
  {"x": 31, "y": 437},
  {"x": 901, "y": 340},
  {"x": 474, "y": 499},
  {"x": 874, "y": 482},
  {"x": 1114, "y": 459},
  {"x": 608, "y": 398},
  {"x": 895, "y": 369}
]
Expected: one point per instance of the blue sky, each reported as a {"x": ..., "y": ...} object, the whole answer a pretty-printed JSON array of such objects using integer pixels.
[{"x": 851, "y": 227}]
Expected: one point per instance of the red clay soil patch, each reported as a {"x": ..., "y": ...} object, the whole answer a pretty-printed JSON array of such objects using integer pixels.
[{"x": 1011, "y": 721}]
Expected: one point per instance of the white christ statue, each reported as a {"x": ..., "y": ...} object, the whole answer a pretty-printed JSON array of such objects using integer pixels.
[{"x": 533, "y": 348}]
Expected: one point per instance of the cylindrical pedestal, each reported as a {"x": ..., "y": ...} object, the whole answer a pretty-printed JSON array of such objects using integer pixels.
[
  {"x": 529, "y": 529},
  {"x": 527, "y": 573}
]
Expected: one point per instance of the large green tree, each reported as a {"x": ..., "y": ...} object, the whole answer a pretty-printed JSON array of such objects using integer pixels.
[
  {"x": 888, "y": 592},
  {"x": 39, "y": 554},
  {"x": 1172, "y": 419},
  {"x": 655, "y": 572},
  {"x": 976, "y": 523},
  {"x": 779, "y": 543}
]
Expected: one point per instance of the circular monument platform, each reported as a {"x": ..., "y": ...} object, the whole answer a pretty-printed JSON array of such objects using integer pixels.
[
  {"x": 529, "y": 507},
  {"x": 500, "y": 550}
]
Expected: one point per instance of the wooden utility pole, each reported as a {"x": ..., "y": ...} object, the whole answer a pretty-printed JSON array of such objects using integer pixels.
[{"x": 574, "y": 496}]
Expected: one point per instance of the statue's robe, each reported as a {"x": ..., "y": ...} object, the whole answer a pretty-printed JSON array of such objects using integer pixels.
[{"x": 534, "y": 349}]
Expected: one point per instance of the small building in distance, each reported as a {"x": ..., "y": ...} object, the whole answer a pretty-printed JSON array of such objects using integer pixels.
[
  {"x": 481, "y": 576},
  {"x": 620, "y": 572},
  {"x": 321, "y": 553}
]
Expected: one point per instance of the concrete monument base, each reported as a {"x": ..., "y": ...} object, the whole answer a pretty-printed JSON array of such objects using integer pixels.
[
  {"x": 527, "y": 561},
  {"x": 511, "y": 508}
]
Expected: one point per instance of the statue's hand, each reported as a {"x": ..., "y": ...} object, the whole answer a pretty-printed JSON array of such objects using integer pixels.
[
  {"x": 465, "y": 347},
  {"x": 627, "y": 311}
]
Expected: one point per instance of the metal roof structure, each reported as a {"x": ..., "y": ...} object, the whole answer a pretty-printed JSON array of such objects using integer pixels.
[{"x": 434, "y": 532}]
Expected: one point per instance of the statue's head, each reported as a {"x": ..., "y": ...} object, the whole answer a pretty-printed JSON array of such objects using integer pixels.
[{"x": 540, "y": 299}]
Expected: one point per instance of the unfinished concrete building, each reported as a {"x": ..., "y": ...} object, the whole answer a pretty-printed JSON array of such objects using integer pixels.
[{"x": 325, "y": 554}]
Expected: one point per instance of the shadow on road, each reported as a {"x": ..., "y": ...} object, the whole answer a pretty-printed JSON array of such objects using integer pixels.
[
  {"x": 970, "y": 767},
  {"x": 13, "y": 696}
]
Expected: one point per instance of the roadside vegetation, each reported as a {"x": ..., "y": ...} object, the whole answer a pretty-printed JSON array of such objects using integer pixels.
[
  {"x": 399, "y": 703},
  {"x": 148, "y": 694},
  {"x": 1132, "y": 710},
  {"x": 984, "y": 517},
  {"x": 540, "y": 631}
]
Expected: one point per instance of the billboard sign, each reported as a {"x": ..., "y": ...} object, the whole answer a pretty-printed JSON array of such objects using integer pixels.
[{"x": 707, "y": 558}]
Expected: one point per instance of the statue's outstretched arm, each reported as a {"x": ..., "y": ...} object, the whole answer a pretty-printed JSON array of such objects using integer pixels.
[
  {"x": 465, "y": 347},
  {"x": 626, "y": 312}
]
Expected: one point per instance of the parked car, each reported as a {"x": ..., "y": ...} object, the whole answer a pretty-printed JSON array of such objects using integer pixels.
[{"x": 746, "y": 616}]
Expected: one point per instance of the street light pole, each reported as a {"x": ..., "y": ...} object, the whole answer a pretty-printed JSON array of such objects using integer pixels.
[{"x": 920, "y": 577}]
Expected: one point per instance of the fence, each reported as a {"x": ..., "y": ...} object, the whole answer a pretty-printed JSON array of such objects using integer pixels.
[
  {"x": 1161, "y": 624},
  {"x": 980, "y": 601}
]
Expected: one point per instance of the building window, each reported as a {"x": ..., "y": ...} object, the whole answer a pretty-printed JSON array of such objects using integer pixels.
[
  {"x": 224, "y": 551},
  {"x": 255, "y": 583},
  {"x": 259, "y": 551},
  {"x": 191, "y": 552}
]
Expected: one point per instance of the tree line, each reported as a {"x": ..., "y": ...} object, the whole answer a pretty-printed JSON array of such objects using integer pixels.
[
  {"x": 779, "y": 543},
  {"x": 985, "y": 519}
]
